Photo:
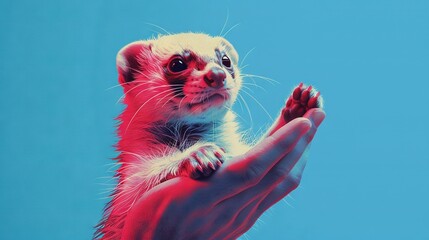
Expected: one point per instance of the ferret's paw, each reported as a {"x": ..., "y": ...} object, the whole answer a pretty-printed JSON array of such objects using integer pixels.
[
  {"x": 202, "y": 162},
  {"x": 300, "y": 101}
]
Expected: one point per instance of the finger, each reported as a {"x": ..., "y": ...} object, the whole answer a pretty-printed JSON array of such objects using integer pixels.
[
  {"x": 299, "y": 167},
  {"x": 247, "y": 170},
  {"x": 290, "y": 183},
  {"x": 254, "y": 211},
  {"x": 240, "y": 223},
  {"x": 249, "y": 215},
  {"x": 278, "y": 173},
  {"x": 246, "y": 207},
  {"x": 246, "y": 219},
  {"x": 281, "y": 191},
  {"x": 316, "y": 114}
]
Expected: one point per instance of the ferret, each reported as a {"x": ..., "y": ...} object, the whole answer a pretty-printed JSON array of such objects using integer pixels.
[{"x": 177, "y": 121}]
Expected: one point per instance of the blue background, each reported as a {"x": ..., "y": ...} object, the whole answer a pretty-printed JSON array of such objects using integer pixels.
[{"x": 368, "y": 170}]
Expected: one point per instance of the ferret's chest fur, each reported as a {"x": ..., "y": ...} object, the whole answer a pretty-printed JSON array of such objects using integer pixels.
[
  {"x": 181, "y": 135},
  {"x": 159, "y": 138}
]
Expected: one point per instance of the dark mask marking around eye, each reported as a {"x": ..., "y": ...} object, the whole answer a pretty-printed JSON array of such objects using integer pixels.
[
  {"x": 177, "y": 85},
  {"x": 220, "y": 55}
]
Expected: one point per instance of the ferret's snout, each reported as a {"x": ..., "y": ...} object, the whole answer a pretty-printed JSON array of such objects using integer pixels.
[{"x": 215, "y": 78}]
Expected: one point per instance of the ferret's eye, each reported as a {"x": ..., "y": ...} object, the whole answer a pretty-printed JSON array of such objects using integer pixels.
[
  {"x": 177, "y": 65},
  {"x": 226, "y": 62}
]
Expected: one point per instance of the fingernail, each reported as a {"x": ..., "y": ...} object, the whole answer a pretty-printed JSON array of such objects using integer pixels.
[{"x": 318, "y": 116}]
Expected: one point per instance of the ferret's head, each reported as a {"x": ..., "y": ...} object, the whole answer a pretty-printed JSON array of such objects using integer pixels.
[{"x": 188, "y": 76}]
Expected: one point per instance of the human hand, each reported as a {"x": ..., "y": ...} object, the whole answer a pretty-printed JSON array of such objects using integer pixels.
[{"x": 228, "y": 203}]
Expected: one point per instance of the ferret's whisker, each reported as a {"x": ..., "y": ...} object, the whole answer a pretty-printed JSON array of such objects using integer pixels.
[
  {"x": 138, "y": 110},
  {"x": 150, "y": 89},
  {"x": 128, "y": 83},
  {"x": 199, "y": 100},
  {"x": 105, "y": 191},
  {"x": 178, "y": 108},
  {"x": 226, "y": 22},
  {"x": 245, "y": 78},
  {"x": 238, "y": 115},
  {"x": 123, "y": 95},
  {"x": 241, "y": 105},
  {"x": 255, "y": 85},
  {"x": 139, "y": 72},
  {"x": 166, "y": 95},
  {"x": 243, "y": 67},
  {"x": 245, "y": 56},
  {"x": 248, "y": 109},
  {"x": 123, "y": 84},
  {"x": 246, "y": 87},
  {"x": 260, "y": 77},
  {"x": 157, "y": 26},
  {"x": 111, "y": 164},
  {"x": 236, "y": 25},
  {"x": 263, "y": 108},
  {"x": 175, "y": 95},
  {"x": 180, "y": 103},
  {"x": 110, "y": 169}
]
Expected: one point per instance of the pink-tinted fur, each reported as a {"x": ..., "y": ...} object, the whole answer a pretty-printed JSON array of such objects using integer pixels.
[{"x": 150, "y": 104}]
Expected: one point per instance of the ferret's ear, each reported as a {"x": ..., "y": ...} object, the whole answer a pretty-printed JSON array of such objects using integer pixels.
[
  {"x": 232, "y": 53},
  {"x": 130, "y": 59}
]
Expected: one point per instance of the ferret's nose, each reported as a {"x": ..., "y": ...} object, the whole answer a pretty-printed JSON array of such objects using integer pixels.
[{"x": 215, "y": 78}]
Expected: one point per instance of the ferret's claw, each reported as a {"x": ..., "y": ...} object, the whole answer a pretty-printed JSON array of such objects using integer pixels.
[
  {"x": 305, "y": 95},
  {"x": 219, "y": 156},
  {"x": 203, "y": 162},
  {"x": 313, "y": 102}
]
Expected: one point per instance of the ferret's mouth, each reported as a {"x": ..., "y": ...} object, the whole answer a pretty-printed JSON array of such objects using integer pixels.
[{"x": 216, "y": 99}]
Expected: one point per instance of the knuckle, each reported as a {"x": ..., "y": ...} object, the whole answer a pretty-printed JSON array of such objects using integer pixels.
[
  {"x": 310, "y": 135},
  {"x": 223, "y": 217},
  {"x": 289, "y": 141},
  {"x": 240, "y": 219},
  {"x": 293, "y": 181},
  {"x": 252, "y": 174},
  {"x": 246, "y": 225},
  {"x": 278, "y": 173}
]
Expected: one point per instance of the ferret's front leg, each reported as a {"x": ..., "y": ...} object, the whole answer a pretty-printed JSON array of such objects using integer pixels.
[
  {"x": 199, "y": 160},
  {"x": 299, "y": 102}
]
